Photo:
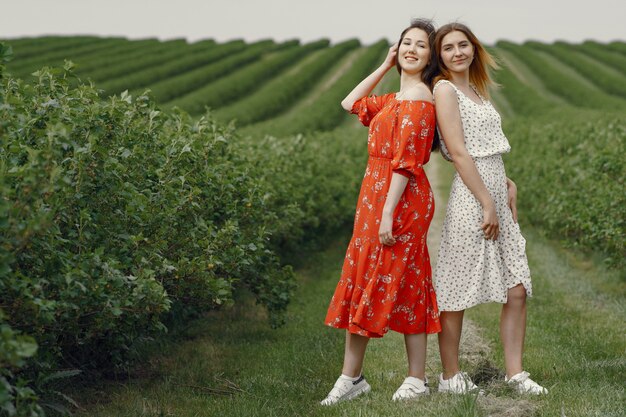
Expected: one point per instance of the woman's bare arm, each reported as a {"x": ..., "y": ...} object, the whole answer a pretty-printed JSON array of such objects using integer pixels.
[{"x": 367, "y": 85}]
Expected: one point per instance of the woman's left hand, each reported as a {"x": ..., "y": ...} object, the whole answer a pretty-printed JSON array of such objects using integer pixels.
[
  {"x": 512, "y": 191},
  {"x": 384, "y": 232}
]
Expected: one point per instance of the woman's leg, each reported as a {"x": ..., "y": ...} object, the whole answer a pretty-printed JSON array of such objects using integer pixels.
[
  {"x": 449, "y": 340},
  {"x": 354, "y": 354},
  {"x": 416, "y": 354},
  {"x": 513, "y": 329}
]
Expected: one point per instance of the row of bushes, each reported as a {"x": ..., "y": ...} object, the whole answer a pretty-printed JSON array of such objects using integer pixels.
[
  {"x": 142, "y": 58},
  {"x": 523, "y": 99},
  {"x": 115, "y": 56},
  {"x": 600, "y": 52},
  {"x": 26, "y": 66},
  {"x": 244, "y": 81},
  {"x": 26, "y": 48},
  {"x": 570, "y": 167},
  {"x": 561, "y": 83},
  {"x": 196, "y": 55},
  {"x": 116, "y": 216},
  {"x": 221, "y": 65},
  {"x": 617, "y": 46},
  {"x": 608, "y": 81},
  {"x": 279, "y": 93},
  {"x": 325, "y": 112}
]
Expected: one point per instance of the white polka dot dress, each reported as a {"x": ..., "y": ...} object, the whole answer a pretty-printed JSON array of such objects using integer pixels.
[{"x": 470, "y": 269}]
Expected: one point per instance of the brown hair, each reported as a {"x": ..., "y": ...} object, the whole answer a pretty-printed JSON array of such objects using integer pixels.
[
  {"x": 432, "y": 69},
  {"x": 482, "y": 63}
]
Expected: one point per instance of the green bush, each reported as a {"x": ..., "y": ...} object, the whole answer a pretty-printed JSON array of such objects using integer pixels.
[
  {"x": 56, "y": 57},
  {"x": 182, "y": 84},
  {"x": 325, "y": 113},
  {"x": 144, "y": 58},
  {"x": 245, "y": 80},
  {"x": 570, "y": 168},
  {"x": 279, "y": 93},
  {"x": 523, "y": 98},
  {"x": 602, "y": 53},
  {"x": 116, "y": 217},
  {"x": 560, "y": 83},
  {"x": 609, "y": 82},
  {"x": 196, "y": 55}
]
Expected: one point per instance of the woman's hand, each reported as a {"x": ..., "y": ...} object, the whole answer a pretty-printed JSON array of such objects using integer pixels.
[
  {"x": 384, "y": 232},
  {"x": 490, "y": 225},
  {"x": 512, "y": 191},
  {"x": 390, "y": 59}
]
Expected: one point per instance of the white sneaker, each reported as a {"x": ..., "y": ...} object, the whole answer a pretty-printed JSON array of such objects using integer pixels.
[
  {"x": 460, "y": 383},
  {"x": 411, "y": 388},
  {"x": 345, "y": 389},
  {"x": 524, "y": 385}
]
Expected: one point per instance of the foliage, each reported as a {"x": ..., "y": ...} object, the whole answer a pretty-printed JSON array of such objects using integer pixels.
[
  {"x": 597, "y": 74},
  {"x": 325, "y": 113},
  {"x": 603, "y": 54},
  {"x": 279, "y": 93},
  {"x": 561, "y": 83},
  {"x": 523, "y": 98},
  {"x": 570, "y": 169},
  {"x": 56, "y": 57},
  {"x": 195, "y": 55},
  {"x": 244, "y": 81},
  {"x": 144, "y": 58},
  {"x": 116, "y": 215},
  {"x": 177, "y": 86}
]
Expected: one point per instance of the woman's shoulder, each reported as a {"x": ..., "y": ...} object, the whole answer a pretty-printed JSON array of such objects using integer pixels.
[
  {"x": 444, "y": 88},
  {"x": 445, "y": 85}
]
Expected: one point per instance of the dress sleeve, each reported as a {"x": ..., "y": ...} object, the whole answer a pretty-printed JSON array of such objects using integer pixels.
[
  {"x": 367, "y": 107},
  {"x": 412, "y": 145}
]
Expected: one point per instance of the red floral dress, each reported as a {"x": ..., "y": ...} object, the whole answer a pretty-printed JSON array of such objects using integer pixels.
[{"x": 390, "y": 287}]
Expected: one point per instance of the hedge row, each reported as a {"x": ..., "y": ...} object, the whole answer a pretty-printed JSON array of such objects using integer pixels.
[
  {"x": 617, "y": 46},
  {"x": 29, "y": 47},
  {"x": 24, "y": 67},
  {"x": 196, "y": 55},
  {"x": 524, "y": 99},
  {"x": 597, "y": 74},
  {"x": 177, "y": 86},
  {"x": 601, "y": 53},
  {"x": 115, "y": 56},
  {"x": 570, "y": 167},
  {"x": 561, "y": 83},
  {"x": 160, "y": 53},
  {"x": 325, "y": 113},
  {"x": 278, "y": 94},
  {"x": 244, "y": 81},
  {"x": 116, "y": 216}
]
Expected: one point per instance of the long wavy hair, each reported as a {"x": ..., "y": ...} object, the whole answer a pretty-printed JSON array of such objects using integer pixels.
[
  {"x": 481, "y": 65},
  {"x": 430, "y": 72}
]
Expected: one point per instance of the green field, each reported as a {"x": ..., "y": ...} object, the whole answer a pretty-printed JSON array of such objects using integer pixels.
[{"x": 183, "y": 186}]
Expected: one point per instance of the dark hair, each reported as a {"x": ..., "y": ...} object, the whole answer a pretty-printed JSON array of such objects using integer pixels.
[
  {"x": 432, "y": 69},
  {"x": 481, "y": 64}
]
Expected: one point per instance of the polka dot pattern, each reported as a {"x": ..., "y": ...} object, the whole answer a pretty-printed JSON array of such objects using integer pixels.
[{"x": 472, "y": 270}]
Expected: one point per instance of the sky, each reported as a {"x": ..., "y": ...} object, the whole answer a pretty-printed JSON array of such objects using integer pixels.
[{"x": 337, "y": 20}]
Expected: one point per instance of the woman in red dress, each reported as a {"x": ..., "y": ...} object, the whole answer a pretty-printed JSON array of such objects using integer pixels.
[{"x": 386, "y": 278}]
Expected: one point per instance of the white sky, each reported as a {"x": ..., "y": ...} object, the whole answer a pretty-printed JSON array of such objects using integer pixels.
[{"x": 368, "y": 20}]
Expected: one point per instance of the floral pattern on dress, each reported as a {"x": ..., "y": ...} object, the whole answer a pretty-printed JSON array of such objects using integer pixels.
[
  {"x": 470, "y": 269},
  {"x": 384, "y": 288}
]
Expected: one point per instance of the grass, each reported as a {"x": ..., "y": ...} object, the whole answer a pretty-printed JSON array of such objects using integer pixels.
[{"x": 232, "y": 364}]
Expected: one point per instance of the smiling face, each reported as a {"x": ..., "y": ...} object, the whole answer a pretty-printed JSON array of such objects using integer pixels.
[
  {"x": 414, "y": 51},
  {"x": 457, "y": 52}
]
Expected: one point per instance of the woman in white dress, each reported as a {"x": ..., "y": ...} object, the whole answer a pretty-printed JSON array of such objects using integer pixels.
[{"x": 482, "y": 254}]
